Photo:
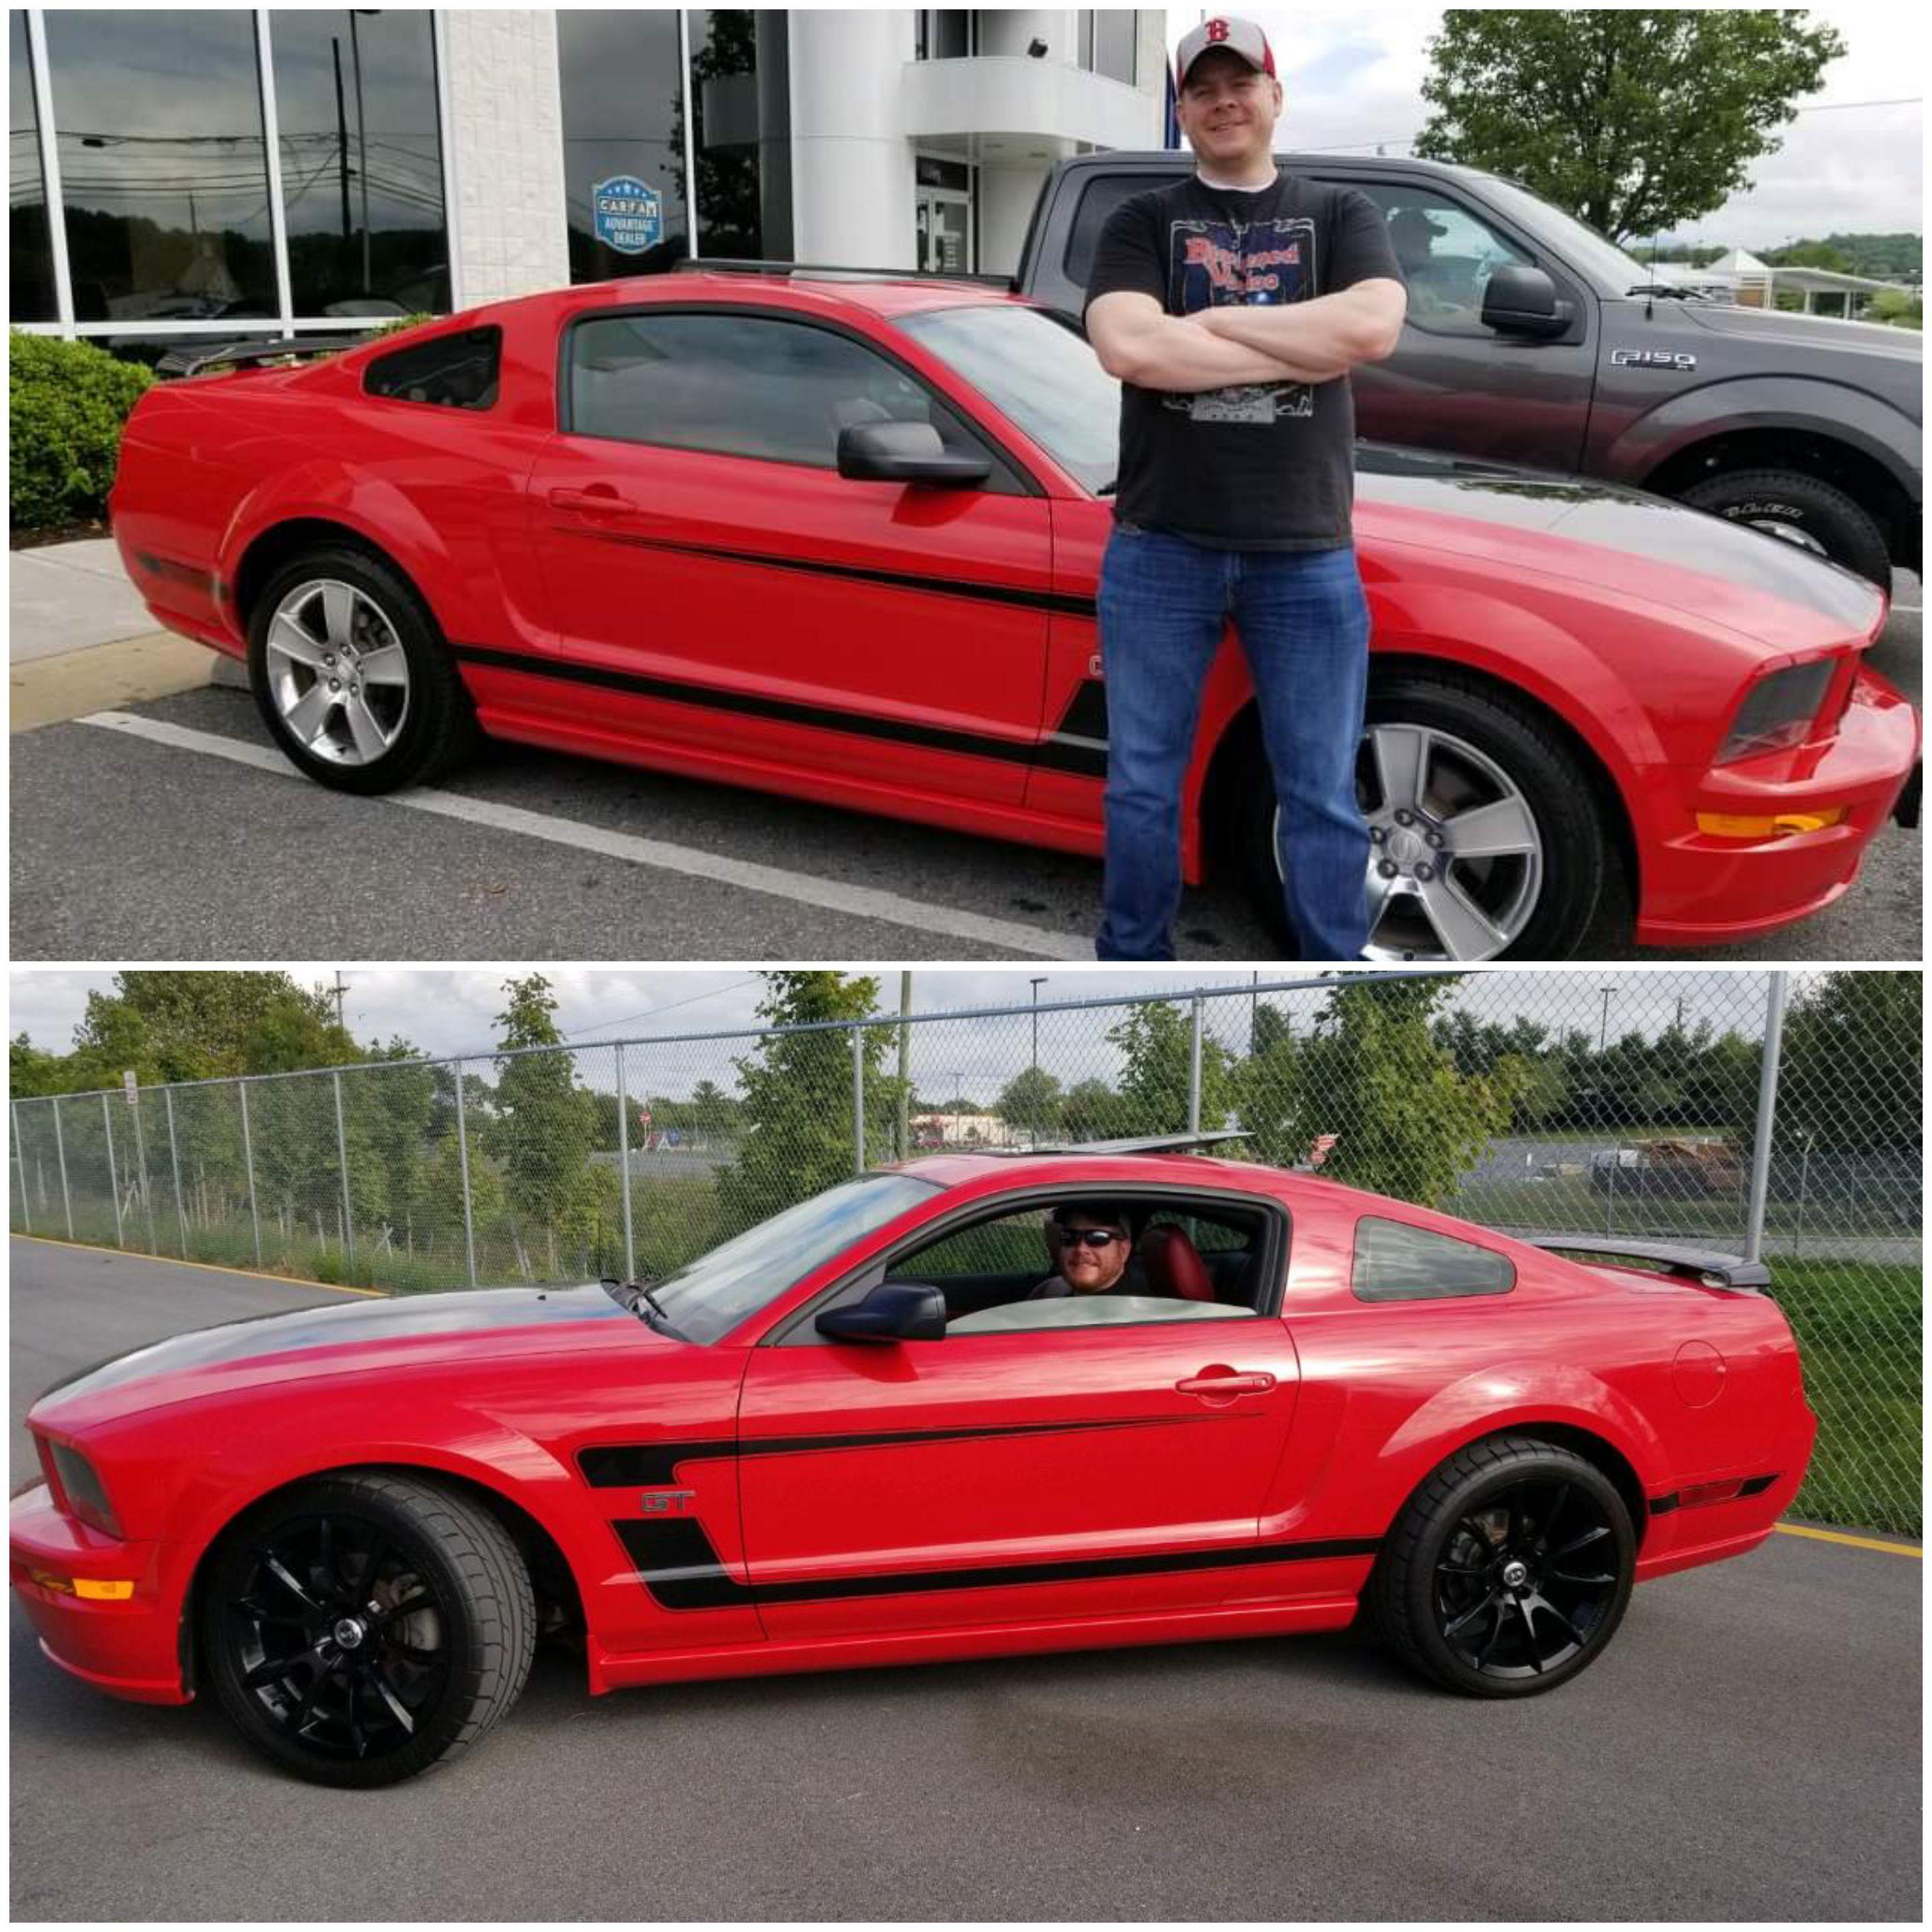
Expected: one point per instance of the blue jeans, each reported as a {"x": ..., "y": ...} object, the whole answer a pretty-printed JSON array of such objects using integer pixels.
[{"x": 1303, "y": 624}]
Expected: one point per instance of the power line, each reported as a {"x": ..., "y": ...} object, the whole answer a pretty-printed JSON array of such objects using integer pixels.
[{"x": 651, "y": 1012}]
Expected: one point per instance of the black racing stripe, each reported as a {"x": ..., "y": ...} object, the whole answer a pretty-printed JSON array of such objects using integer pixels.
[
  {"x": 1757, "y": 1486},
  {"x": 1663, "y": 1505},
  {"x": 1073, "y": 756},
  {"x": 1061, "y": 604},
  {"x": 648, "y": 1464},
  {"x": 676, "y": 1562},
  {"x": 1752, "y": 1486}
]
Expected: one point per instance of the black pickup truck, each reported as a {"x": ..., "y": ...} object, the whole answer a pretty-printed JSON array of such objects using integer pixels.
[{"x": 1531, "y": 340}]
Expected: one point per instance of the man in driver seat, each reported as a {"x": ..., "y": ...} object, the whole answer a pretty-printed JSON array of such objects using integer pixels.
[{"x": 1095, "y": 1246}]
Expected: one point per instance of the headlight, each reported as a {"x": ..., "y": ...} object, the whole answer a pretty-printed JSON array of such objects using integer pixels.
[
  {"x": 82, "y": 1486},
  {"x": 1778, "y": 710}
]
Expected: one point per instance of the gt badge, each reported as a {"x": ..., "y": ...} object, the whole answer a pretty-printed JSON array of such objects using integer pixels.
[
  {"x": 1652, "y": 359},
  {"x": 665, "y": 1502}
]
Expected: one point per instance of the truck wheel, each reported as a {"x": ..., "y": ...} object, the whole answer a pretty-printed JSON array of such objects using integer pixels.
[
  {"x": 1508, "y": 1572},
  {"x": 1816, "y": 516},
  {"x": 1488, "y": 838},
  {"x": 351, "y": 675},
  {"x": 362, "y": 1628}
]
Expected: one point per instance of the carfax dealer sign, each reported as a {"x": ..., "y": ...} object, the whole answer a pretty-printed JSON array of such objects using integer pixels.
[{"x": 626, "y": 215}]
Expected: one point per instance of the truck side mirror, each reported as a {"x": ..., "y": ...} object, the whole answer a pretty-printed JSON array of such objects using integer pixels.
[{"x": 1522, "y": 301}]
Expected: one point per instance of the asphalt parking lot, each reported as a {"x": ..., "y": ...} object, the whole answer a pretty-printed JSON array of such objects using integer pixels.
[
  {"x": 194, "y": 839},
  {"x": 1749, "y": 1748}
]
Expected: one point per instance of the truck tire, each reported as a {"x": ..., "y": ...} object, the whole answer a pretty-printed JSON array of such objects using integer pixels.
[{"x": 1800, "y": 510}]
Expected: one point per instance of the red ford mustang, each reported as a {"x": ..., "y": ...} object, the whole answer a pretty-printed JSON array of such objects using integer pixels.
[
  {"x": 840, "y": 538},
  {"x": 849, "y": 1437}
]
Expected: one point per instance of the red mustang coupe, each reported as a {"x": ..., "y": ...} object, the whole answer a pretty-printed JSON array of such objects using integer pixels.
[
  {"x": 852, "y": 1436},
  {"x": 840, "y": 538}
]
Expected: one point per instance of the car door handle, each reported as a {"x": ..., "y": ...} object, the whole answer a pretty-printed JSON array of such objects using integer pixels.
[
  {"x": 599, "y": 501},
  {"x": 1225, "y": 1382}
]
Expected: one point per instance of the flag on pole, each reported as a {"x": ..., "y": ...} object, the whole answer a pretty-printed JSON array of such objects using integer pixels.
[{"x": 1170, "y": 136}]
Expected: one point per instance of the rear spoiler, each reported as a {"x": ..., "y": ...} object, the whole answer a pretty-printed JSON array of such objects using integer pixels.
[
  {"x": 1699, "y": 1264},
  {"x": 196, "y": 360}
]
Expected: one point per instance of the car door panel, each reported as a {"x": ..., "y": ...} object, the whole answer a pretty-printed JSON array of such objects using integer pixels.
[{"x": 998, "y": 1477}]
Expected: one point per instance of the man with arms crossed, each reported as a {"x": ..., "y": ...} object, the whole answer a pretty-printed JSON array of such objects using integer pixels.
[{"x": 1232, "y": 307}]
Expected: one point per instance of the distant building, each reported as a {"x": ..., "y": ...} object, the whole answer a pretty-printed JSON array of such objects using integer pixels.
[{"x": 1738, "y": 276}]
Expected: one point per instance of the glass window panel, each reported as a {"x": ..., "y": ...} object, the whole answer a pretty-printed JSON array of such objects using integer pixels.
[
  {"x": 1114, "y": 34},
  {"x": 740, "y": 88},
  {"x": 738, "y": 385},
  {"x": 459, "y": 371},
  {"x": 1448, "y": 255},
  {"x": 164, "y": 168},
  {"x": 623, "y": 116},
  {"x": 29, "y": 251},
  {"x": 1396, "y": 1262},
  {"x": 362, "y": 159}
]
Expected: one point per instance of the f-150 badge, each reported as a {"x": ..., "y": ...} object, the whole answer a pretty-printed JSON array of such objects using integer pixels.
[{"x": 1652, "y": 359}]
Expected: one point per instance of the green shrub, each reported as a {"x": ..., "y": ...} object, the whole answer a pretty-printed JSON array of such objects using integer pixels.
[{"x": 66, "y": 404}]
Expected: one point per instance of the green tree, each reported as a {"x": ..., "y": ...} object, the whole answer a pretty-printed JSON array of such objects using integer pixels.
[
  {"x": 1634, "y": 121},
  {"x": 797, "y": 1095},
  {"x": 1270, "y": 1093},
  {"x": 1853, "y": 1063},
  {"x": 1410, "y": 1125},
  {"x": 1030, "y": 1102},
  {"x": 1157, "y": 1040}
]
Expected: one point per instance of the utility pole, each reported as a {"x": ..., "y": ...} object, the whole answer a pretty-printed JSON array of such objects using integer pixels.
[
  {"x": 1603, "y": 1031},
  {"x": 362, "y": 136},
  {"x": 341, "y": 987},
  {"x": 1036, "y": 985},
  {"x": 341, "y": 139},
  {"x": 905, "y": 1066}
]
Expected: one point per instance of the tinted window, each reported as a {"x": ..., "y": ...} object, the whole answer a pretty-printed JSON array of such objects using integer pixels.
[
  {"x": 1104, "y": 193},
  {"x": 740, "y": 93},
  {"x": 1114, "y": 30},
  {"x": 623, "y": 106},
  {"x": 30, "y": 256},
  {"x": 710, "y": 1296},
  {"x": 1396, "y": 1262},
  {"x": 740, "y": 385},
  {"x": 459, "y": 371},
  {"x": 1448, "y": 255},
  {"x": 164, "y": 168},
  {"x": 361, "y": 161}
]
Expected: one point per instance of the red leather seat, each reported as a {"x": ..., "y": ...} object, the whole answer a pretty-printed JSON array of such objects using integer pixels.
[{"x": 1173, "y": 1265}]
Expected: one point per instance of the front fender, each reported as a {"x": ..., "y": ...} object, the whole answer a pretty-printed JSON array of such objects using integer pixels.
[{"x": 1835, "y": 411}]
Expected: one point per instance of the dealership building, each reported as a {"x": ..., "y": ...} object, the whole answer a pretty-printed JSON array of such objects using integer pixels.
[{"x": 177, "y": 173}]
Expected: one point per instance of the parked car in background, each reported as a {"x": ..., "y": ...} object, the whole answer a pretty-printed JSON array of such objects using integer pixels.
[
  {"x": 1531, "y": 338},
  {"x": 839, "y": 537},
  {"x": 850, "y": 1436}
]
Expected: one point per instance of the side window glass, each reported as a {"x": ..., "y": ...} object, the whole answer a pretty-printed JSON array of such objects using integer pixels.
[
  {"x": 1448, "y": 256},
  {"x": 459, "y": 371},
  {"x": 1104, "y": 193},
  {"x": 1015, "y": 1245},
  {"x": 737, "y": 385},
  {"x": 1396, "y": 1262}
]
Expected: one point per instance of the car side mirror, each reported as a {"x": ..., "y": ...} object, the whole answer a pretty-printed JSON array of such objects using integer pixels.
[
  {"x": 1522, "y": 301},
  {"x": 906, "y": 452},
  {"x": 894, "y": 1311}
]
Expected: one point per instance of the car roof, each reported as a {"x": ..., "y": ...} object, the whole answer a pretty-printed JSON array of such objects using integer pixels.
[{"x": 822, "y": 289}]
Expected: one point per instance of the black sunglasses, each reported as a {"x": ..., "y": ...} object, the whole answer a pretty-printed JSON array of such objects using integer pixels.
[{"x": 1089, "y": 1238}]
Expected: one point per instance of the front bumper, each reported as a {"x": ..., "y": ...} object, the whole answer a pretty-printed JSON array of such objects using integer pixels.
[
  {"x": 1698, "y": 889},
  {"x": 130, "y": 1648}
]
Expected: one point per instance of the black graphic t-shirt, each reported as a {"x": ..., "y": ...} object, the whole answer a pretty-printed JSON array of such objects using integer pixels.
[{"x": 1258, "y": 466}]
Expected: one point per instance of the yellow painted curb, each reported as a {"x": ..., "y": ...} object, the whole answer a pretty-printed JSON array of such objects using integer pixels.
[
  {"x": 1856, "y": 1542},
  {"x": 53, "y": 690},
  {"x": 213, "y": 1267}
]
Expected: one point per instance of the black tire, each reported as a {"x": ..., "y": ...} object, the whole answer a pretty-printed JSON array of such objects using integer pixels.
[
  {"x": 447, "y": 1656},
  {"x": 1841, "y": 527},
  {"x": 1562, "y": 797},
  {"x": 438, "y": 726},
  {"x": 1556, "y": 1510}
]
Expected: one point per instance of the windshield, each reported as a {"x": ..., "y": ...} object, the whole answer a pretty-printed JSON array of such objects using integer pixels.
[
  {"x": 710, "y": 1296},
  {"x": 1617, "y": 271},
  {"x": 1038, "y": 373}
]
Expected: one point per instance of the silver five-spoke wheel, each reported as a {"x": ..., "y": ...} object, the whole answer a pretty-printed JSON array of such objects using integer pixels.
[
  {"x": 337, "y": 672},
  {"x": 1455, "y": 856}
]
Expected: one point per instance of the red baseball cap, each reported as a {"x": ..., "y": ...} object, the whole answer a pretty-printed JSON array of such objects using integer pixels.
[{"x": 1237, "y": 36}]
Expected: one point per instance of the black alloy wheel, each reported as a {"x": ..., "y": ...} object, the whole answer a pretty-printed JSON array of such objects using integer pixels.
[
  {"x": 363, "y": 1628},
  {"x": 1508, "y": 1571}
]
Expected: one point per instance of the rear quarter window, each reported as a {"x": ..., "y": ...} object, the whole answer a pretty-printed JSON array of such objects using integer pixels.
[
  {"x": 457, "y": 371},
  {"x": 1396, "y": 1262}
]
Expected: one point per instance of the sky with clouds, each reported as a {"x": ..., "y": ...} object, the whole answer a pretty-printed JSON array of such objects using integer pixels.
[{"x": 1353, "y": 77}]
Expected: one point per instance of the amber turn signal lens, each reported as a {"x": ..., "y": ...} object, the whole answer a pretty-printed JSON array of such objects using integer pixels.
[
  {"x": 93, "y": 1589},
  {"x": 1782, "y": 825}
]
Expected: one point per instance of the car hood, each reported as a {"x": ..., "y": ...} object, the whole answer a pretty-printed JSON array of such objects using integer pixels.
[
  {"x": 1606, "y": 533},
  {"x": 314, "y": 1341}
]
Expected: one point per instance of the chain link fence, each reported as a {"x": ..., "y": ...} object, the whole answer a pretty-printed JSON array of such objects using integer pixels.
[{"x": 1772, "y": 1114}]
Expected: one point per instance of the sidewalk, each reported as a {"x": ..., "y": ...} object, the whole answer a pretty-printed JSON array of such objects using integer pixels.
[{"x": 80, "y": 639}]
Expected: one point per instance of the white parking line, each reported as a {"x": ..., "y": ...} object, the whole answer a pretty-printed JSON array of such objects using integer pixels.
[{"x": 1011, "y": 936}]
